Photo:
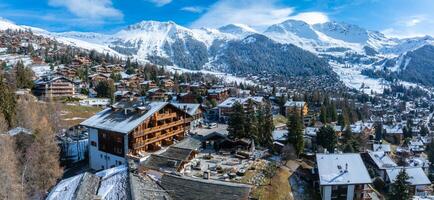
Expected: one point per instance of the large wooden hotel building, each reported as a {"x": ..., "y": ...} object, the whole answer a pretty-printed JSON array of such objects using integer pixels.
[{"x": 133, "y": 128}]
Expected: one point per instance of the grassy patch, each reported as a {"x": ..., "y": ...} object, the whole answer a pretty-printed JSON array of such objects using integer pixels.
[
  {"x": 278, "y": 189},
  {"x": 72, "y": 115}
]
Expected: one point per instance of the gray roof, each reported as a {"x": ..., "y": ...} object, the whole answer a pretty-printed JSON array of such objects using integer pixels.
[
  {"x": 162, "y": 163},
  {"x": 381, "y": 159},
  {"x": 177, "y": 153},
  {"x": 191, "y": 107},
  {"x": 381, "y": 147},
  {"x": 342, "y": 169},
  {"x": 183, "y": 187},
  {"x": 169, "y": 160},
  {"x": 117, "y": 121},
  {"x": 193, "y": 142},
  {"x": 88, "y": 186},
  {"x": 143, "y": 187},
  {"x": 82, "y": 186},
  {"x": 416, "y": 174}
]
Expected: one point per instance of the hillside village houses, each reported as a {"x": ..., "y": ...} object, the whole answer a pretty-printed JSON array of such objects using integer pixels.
[{"x": 159, "y": 139}]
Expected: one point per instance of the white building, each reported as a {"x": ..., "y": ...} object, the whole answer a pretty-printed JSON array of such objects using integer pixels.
[
  {"x": 342, "y": 176},
  {"x": 95, "y": 102}
]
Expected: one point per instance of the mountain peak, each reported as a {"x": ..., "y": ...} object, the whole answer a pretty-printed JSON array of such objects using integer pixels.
[
  {"x": 237, "y": 29},
  {"x": 152, "y": 25}
]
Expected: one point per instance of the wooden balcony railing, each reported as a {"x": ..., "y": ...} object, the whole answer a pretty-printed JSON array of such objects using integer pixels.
[
  {"x": 156, "y": 139},
  {"x": 158, "y": 128},
  {"x": 166, "y": 116}
]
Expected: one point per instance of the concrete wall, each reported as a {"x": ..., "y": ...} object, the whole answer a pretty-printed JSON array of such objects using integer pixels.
[{"x": 99, "y": 160}]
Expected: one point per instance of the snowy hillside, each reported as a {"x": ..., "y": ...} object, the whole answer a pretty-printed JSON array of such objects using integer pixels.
[
  {"x": 6, "y": 24},
  {"x": 167, "y": 43}
]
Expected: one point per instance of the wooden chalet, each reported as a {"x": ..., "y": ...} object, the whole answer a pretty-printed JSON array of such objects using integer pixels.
[
  {"x": 54, "y": 87},
  {"x": 133, "y": 128}
]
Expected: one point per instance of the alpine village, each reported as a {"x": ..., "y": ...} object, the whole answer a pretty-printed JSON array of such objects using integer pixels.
[{"x": 103, "y": 124}]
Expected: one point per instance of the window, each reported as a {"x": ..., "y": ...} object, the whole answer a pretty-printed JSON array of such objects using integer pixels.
[
  {"x": 111, "y": 142},
  {"x": 93, "y": 143}
]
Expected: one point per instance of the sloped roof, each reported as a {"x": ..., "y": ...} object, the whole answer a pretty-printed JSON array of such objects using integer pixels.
[
  {"x": 177, "y": 153},
  {"x": 193, "y": 142},
  {"x": 382, "y": 160},
  {"x": 117, "y": 121},
  {"x": 416, "y": 174},
  {"x": 169, "y": 160},
  {"x": 191, "y": 108},
  {"x": 183, "y": 187},
  {"x": 342, "y": 169},
  {"x": 162, "y": 163},
  {"x": 143, "y": 187},
  {"x": 382, "y": 147}
]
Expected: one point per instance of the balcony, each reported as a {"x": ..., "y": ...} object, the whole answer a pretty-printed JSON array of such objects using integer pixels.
[
  {"x": 158, "y": 128},
  {"x": 166, "y": 116},
  {"x": 157, "y": 139}
]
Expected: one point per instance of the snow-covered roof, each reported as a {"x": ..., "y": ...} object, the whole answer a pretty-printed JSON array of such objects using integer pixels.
[
  {"x": 393, "y": 129},
  {"x": 65, "y": 189},
  {"x": 310, "y": 131},
  {"x": 114, "y": 183},
  {"x": 191, "y": 107},
  {"x": 382, "y": 159},
  {"x": 228, "y": 103},
  {"x": 298, "y": 104},
  {"x": 279, "y": 135},
  {"x": 342, "y": 169},
  {"x": 381, "y": 147},
  {"x": 120, "y": 122},
  {"x": 416, "y": 174}
]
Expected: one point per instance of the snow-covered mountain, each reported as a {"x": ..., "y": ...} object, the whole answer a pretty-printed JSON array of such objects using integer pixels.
[{"x": 344, "y": 46}]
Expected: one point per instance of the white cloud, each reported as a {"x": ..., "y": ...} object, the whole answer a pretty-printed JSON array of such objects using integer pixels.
[
  {"x": 193, "y": 9},
  {"x": 89, "y": 9},
  {"x": 413, "y": 26},
  {"x": 258, "y": 14},
  {"x": 160, "y": 3},
  {"x": 312, "y": 17}
]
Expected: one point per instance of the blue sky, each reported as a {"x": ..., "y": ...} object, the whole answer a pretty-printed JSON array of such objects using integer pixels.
[{"x": 401, "y": 18}]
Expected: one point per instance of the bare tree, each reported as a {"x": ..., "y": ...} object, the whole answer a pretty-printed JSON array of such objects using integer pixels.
[
  {"x": 43, "y": 169},
  {"x": 10, "y": 187},
  {"x": 3, "y": 124}
]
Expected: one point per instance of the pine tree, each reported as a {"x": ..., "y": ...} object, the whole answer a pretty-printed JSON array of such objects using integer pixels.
[
  {"x": 378, "y": 131},
  {"x": 266, "y": 125},
  {"x": 8, "y": 102},
  {"x": 327, "y": 138},
  {"x": 401, "y": 187},
  {"x": 424, "y": 131},
  {"x": 236, "y": 121},
  {"x": 251, "y": 123},
  {"x": 430, "y": 151},
  {"x": 323, "y": 115},
  {"x": 295, "y": 133},
  {"x": 23, "y": 75},
  {"x": 105, "y": 89}
]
